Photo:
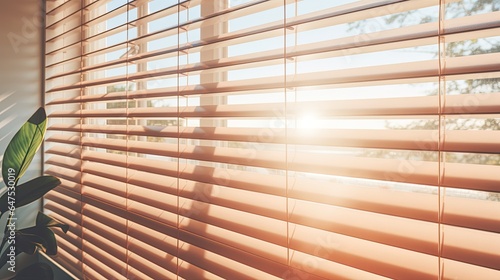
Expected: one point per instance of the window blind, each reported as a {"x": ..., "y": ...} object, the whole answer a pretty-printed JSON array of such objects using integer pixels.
[{"x": 281, "y": 139}]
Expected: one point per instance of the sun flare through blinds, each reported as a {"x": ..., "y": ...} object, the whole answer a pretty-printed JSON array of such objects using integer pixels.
[{"x": 281, "y": 139}]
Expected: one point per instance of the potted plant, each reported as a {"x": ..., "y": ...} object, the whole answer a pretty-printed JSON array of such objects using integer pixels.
[{"x": 17, "y": 157}]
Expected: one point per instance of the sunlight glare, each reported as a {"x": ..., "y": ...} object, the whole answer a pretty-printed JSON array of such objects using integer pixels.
[{"x": 308, "y": 122}]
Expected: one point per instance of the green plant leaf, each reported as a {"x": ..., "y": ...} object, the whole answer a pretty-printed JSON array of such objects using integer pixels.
[
  {"x": 28, "y": 243},
  {"x": 38, "y": 271},
  {"x": 42, "y": 237},
  {"x": 29, "y": 192},
  {"x": 23, "y": 146},
  {"x": 43, "y": 220}
]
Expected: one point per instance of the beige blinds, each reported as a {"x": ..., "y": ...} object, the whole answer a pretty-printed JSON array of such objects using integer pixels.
[{"x": 280, "y": 139}]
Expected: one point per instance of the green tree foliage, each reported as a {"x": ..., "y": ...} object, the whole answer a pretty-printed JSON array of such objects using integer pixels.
[{"x": 145, "y": 122}]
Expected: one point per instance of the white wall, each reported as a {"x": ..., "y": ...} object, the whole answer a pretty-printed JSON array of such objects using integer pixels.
[
  {"x": 21, "y": 78},
  {"x": 20, "y": 68}
]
